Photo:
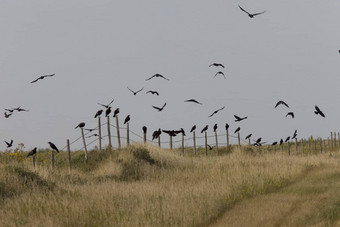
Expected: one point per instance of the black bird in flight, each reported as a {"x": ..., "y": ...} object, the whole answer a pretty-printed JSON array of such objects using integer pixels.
[
  {"x": 153, "y": 92},
  {"x": 32, "y": 152},
  {"x": 157, "y": 75},
  {"x": 170, "y": 132},
  {"x": 273, "y": 144},
  {"x": 290, "y": 114},
  {"x": 250, "y": 14},
  {"x": 216, "y": 111},
  {"x": 9, "y": 144},
  {"x": 237, "y": 130},
  {"x": 42, "y": 77},
  {"x": 159, "y": 108},
  {"x": 220, "y": 73},
  {"x": 156, "y": 134},
  {"x": 135, "y": 92},
  {"x": 294, "y": 135},
  {"x": 80, "y": 125},
  {"x": 108, "y": 105},
  {"x": 193, "y": 128},
  {"x": 116, "y": 112},
  {"x": 127, "y": 119},
  {"x": 108, "y": 111},
  {"x": 205, "y": 128},
  {"x": 281, "y": 103},
  {"x": 99, "y": 112},
  {"x": 215, "y": 127},
  {"x": 7, "y": 115},
  {"x": 237, "y": 118},
  {"x": 193, "y": 100},
  {"x": 226, "y": 126},
  {"x": 9, "y": 110},
  {"x": 19, "y": 109},
  {"x": 53, "y": 146},
  {"x": 248, "y": 137},
  {"x": 144, "y": 129},
  {"x": 318, "y": 111},
  {"x": 210, "y": 147},
  {"x": 287, "y": 139},
  {"x": 217, "y": 65}
]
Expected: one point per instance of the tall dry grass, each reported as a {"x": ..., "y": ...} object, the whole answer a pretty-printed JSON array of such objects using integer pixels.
[{"x": 145, "y": 186}]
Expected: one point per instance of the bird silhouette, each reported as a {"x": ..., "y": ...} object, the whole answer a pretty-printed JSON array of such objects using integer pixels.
[
  {"x": 159, "y": 108},
  {"x": 248, "y": 137},
  {"x": 7, "y": 115},
  {"x": 116, "y": 112},
  {"x": 193, "y": 128},
  {"x": 287, "y": 139},
  {"x": 217, "y": 65},
  {"x": 205, "y": 128},
  {"x": 9, "y": 110},
  {"x": 273, "y": 144},
  {"x": 210, "y": 147},
  {"x": 318, "y": 111},
  {"x": 107, "y": 111},
  {"x": 281, "y": 103},
  {"x": 237, "y": 130},
  {"x": 193, "y": 100},
  {"x": 19, "y": 109},
  {"x": 90, "y": 129},
  {"x": 216, "y": 111},
  {"x": 281, "y": 141},
  {"x": 157, "y": 75},
  {"x": 215, "y": 127},
  {"x": 99, "y": 112},
  {"x": 144, "y": 128},
  {"x": 42, "y": 77},
  {"x": 9, "y": 144},
  {"x": 294, "y": 135},
  {"x": 180, "y": 131},
  {"x": 106, "y": 106},
  {"x": 156, "y": 134},
  {"x": 290, "y": 114},
  {"x": 170, "y": 132},
  {"x": 226, "y": 126},
  {"x": 220, "y": 73},
  {"x": 237, "y": 118},
  {"x": 250, "y": 14},
  {"x": 258, "y": 141},
  {"x": 80, "y": 125},
  {"x": 32, "y": 152},
  {"x": 135, "y": 92},
  {"x": 127, "y": 119},
  {"x": 53, "y": 146},
  {"x": 152, "y": 92}
]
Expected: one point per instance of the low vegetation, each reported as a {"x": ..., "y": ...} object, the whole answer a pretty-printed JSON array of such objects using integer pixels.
[{"x": 146, "y": 186}]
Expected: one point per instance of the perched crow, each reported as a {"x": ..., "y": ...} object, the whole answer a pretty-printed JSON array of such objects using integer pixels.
[
  {"x": 170, "y": 132},
  {"x": 273, "y": 144},
  {"x": 54, "y": 147},
  {"x": 215, "y": 127},
  {"x": 205, "y": 128},
  {"x": 127, "y": 119},
  {"x": 116, "y": 112},
  {"x": 108, "y": 111},
  {"x": 248, "y": 137},
  {"x": 226, "y": 126},
  {"x": 237, "y": 130},
  {"x": 193, "y": 128},
  {"x": 80, "y": 125},
  {"x": 99, "y": 112},
  {"x": 156, "y": 134},
  {"x": 281, "y": 141},
  {"x": 144, "y": 129},
  {"x": 249, "y": 14},
  {"x": 294, "y": 135},
  {"x": 287, "y": 139},
  {"x": 42, "y": 77},
  {"x": 32, "y": 152}
]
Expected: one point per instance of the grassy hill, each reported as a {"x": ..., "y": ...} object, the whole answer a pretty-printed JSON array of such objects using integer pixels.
[{"x": 147, "y": 186}]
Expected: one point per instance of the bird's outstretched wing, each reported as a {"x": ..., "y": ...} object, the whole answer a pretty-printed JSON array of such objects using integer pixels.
[
  {"x": 255, "y": 14},
  {"x": 193, "y": 100},
  {"x": 243, "y": 10}
]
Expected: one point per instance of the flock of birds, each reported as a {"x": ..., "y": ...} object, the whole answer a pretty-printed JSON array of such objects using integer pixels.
[{"x": 157, "y": 133}]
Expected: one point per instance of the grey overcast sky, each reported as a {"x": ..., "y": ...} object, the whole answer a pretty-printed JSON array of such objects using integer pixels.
[{"x": 98, "y": 48}]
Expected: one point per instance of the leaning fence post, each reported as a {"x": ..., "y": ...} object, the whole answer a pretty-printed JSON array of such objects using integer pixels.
[
  {"x": 100, "y": 134},
  {"x": 109, "y": 132},
  {"x": 194, "y": 138},
  {"x": 118, "y": 133},
  {"x": 68, "y": 154},
  {"x": 206, "y": 143},
  {"x": 82, "y": 135},
  {"x": 127, "y": 134}
]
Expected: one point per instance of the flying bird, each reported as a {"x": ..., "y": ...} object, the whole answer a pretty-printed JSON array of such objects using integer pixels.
[
  {"x": 205, "y": 128},
  {"x": 237, "y": 118},
  {"x": 216, "y": 111},
  {"x": 153, "y": 92},
  {"x": 215, "y": 127},
  {"x": 250, "y": 14},
  {"x": 220, "y": 73},
  {"x": 32, "y": 152},
  {"x": 193, "y": 100},
  {"x": 237, "y": 130},
  {"x": 19, "y": 109},
  {"x": 108, "y": 111},
  {"x": 210, "y": 147},
  {"x": 106, "y": 106},
  {"x": 159, "y": 108},
  {"x": 9, "y": 144},
  {"x": 217, "y": 65},
  {"x": 99, "y": 112},
  {"x": 290, "y": 114},
  {"x": 318, "y": 111},
  {"x": 127, "y": 119},
  {"x": 157, "y": 75},
  {"x": 42, "y": 77},
  {"x": 193, "y": 128},
  {"x": 135, "y": 92},
  {"x": 7, "y": 115},
  {"x": 80, "y": 125},
  {"x": 116, "y": 112},
  {"x": 9, "y": 110},
  {"x": 53, "y": 146},
  {"x": 281, "y": 103}
]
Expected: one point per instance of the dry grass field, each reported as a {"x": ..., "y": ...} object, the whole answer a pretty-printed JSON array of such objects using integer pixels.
[{"x": 147, "y": 186}]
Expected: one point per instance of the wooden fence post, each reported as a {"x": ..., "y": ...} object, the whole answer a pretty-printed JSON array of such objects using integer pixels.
[
  {"x": 82, "y": 135},
  {"x": 268, "y": 148},
  {"x": 68, "y": 155},
  {"x": 339, "y": 139},
  {"x": 296, "y": 146},
  {"x": 216, "y": 141},
  {"x": 320, "y": 141},
  {"x": 275, "y": 148},
  {"x": 332, "y": 147},
  {"x": 309, "y": 146},
  {"x": 144, "y": 134},
  {"x": 109, "y": 132},
  {"x": 314, "y": 146},
  {"x": 303, "y": 146},
  {"x": 288, "y": 147},
  {"x": 239, "y": 139},
  {"x": 206, "y": 143},
  {"x": 324, "y": 145},
  {"x": 194, "y": 138},
  {"x": 100, "y": 134},
  {"x": 127, "y": 134},
  {"x": 118, "y": 132},
  {"x": 33, "y": 160},
  {"x": 227, "y": 131},
  {"x": 182, "y": 144},
  {"x": 52, "y": 160},
  {"x": 334, "y": 140},
  {"x": 170, "y": 142},
  {"x": 159, "y": 141}
]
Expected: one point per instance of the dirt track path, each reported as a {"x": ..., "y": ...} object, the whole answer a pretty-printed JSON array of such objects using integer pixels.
[{"x": 314, "y": 200}]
